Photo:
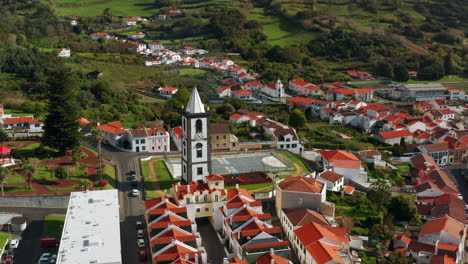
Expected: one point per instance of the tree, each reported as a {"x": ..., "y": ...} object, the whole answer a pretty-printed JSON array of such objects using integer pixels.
[
  {"x": 379, "y": 194},
  {"x": 432, "y": 72},
  {"x": 403, "y": 208},
  {"x": 3, "y": 135},
  {"x": 449, "y": 65},
  {"x": 297, "y": 118},
  {"x": 61, "y": 173},
  {"x": 29, "y": 170},
  {"x": 401, "y": 73},
  {"x": 399, "y": 258},
  {"x": 86, "y": 185},
  {"x": 60, "y": 129},
  {"x": 76, "y": 156},
  {"x": 3, "y": 175}
]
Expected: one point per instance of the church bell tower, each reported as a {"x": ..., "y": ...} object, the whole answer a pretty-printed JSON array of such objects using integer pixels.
[{"x": 196, "y": 141}]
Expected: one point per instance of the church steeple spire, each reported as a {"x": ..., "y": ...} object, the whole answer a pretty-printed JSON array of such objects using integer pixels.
[{"x": 195, "y": 105}]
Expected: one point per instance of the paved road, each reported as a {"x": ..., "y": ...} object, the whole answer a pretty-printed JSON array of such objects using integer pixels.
[
  {"x": 214, "y": 248},
  {"x": 454, "y": 172},
  {"x": 131, "y": 208},
  {"x": 29, "y": 248}
]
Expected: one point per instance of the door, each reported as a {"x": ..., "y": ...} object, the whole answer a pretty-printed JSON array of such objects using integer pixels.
[{"x": 137, "y": 149}]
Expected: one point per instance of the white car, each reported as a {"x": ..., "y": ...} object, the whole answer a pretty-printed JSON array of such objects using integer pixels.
[
  {"x": 14, "y": 243},
  {"x": 141, "y": 243},
  {"x": 135, "y": 193},
  {"x": 140, "y": 233},
  {"x": 45, "y": 258}
]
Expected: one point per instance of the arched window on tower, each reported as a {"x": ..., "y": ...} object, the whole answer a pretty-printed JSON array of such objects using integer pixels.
[
  {"x": 199, "y": 147},
  {"x": 198, "y": 126},
  {"x": 183, "y": 148}
]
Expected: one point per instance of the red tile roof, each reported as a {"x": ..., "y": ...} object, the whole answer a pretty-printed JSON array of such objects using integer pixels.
[
  {"x": 18, "y": 120},
  {"x": 442, "y": 259},
  {"x": 301, "y": 100},
  {"x": 333, "y": 155},
  {"x": 271, "y": 258},
  {"x": 423, "y": 104},
  {"x": 331, "y": 176},
  {"x": 252, "y": 83},
  {"x": 446, "y": 224},
  {"x": 423, "y": 161},
  {"x": 301, "y": 184},
  {"x": 364, "y": 91},
  {"x": 169, "y": 89},
  {"x": 396, "y": 134},
  {"x": 236, "y": 116},
  {"x": 215, "y": 177},
  {"x": 447, "y": 247},
  {"x": 112, "y": 127},
  {"x": 241, "y": 92},
  {"x": 82, "y": 121},
  {"x": 378, "y": 108},
  {"x": 446, "y": 111},
  {"x": 177, "y": 131},
  {"x": 443, "y": 181},
  {"x": 313, "y": 232},
  {"x": 300, "y": 217},
  {"x": 437, "y": 147},
  {"x": 348, "y": 189},
  {"x": 324, "y": 253},
  {"x": 237, "y": 261}
]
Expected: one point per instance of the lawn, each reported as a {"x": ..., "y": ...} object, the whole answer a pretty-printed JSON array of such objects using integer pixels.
[
  {"x": 192, "y": 72},
  {"x": 14, "y": 178},
  {"x": 164, "y": 177},
  {"x": 75, "y": 187},
  {"x": 91, "y": 8},
  {"x": 109, "y": 175},
  {"x": 4, "y": 238},
  {"x": 53, "y": 226},
  {"x": 251, "y": 186},
  {"x": 15, "y": 112}
]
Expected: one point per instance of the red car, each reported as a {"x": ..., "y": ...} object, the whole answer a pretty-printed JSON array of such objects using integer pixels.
[
  {"x": 142, "y": 255},
  {"x": 9, "y": 261},
  {"x": 139, "y": 225},
  {"x": 49, "y": 242}
]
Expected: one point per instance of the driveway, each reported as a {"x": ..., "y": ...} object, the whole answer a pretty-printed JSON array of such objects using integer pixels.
[{"x": 29, "y": 248}]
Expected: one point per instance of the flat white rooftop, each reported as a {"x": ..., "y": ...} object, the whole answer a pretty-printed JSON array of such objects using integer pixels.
[{"x": 91, "y": 233}]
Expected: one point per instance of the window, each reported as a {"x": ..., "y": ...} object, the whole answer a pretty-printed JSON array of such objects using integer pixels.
[
  {"x": 207, "y": 209},
  {"x": 205, "y": 198},
  {"x": 185, "y": 169},
  {"x": 137, "y": 141},
  {"x": 198, "y": 210},
  {"x": 216, "y": 198},
  {"x": 187, "y": 200},
  {"x": 288, "y": 140},
  {"x": 143, "y": 141},
  {"x": 199, "y": 147},
  {"x": 217, "y": 145},
  {"x": 224, "y": 145},
  {"x": 196, "y": 198},
  {"x": 224, "y": 137},
  {"x": 152, "y": 147},
  {"x": 200, "y": 171},
  {"x": 183, "y": 148},
  {"x": 198, "y": 126},
  {"x": 216, "y": 183},
  {"x": 217, "y": 137},
  {"x": 143, "y": 148}
]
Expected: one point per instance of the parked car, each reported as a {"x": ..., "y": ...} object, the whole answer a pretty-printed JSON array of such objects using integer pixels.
[
  {"x": 142, "y": 255},
  {"x": 141, "y": 243},
  {"x": 49, "y": 242},
  {"x": 140, "y": 233},
  {"x": 139, "y": 225},
  {"x": 45, "y": 258},
  {"x": 134, "y": 182},
  {"x": 132, "y": 174},
  {"x": 135, "y": 193},
  {"x": 14, "y": 243},
  {"x": 9, "y": 260}
]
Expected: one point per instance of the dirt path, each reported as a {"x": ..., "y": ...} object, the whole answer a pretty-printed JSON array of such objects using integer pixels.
[
  {"x": 299, "y": 171},
  {"x": 154, "y": 177}
]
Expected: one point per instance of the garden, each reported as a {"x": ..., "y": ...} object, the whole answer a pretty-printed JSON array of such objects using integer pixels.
[{"x": 41, "y": 171}]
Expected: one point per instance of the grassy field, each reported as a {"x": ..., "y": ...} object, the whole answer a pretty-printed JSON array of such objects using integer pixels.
[
  {"x": 279, "y": 30},
  {"x": 192, "y": 72},
  {"x": 14, "y": 178},
  {"x": 16, "y": 112},
  {"x": 53, "y": 226},
  {"x": 450, "y": 78},
  {"x": 88, "y": 8}
]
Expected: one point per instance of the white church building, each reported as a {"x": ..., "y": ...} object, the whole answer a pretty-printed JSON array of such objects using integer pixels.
[{"x": 274, "y": 90}]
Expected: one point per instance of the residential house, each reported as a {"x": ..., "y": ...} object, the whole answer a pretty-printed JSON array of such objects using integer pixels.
[
  {"x": 285, "y": 137},
  {"x": 172, "y": 235},
  {"x": 361, "y": 75},
  {"x": 441, "y": 114},
  {"x": 137, "y": 35},
  {"x": 422, "y": 107},
  {"x": 299, "y": 192},
  {"x": 129, "y": 22},
  {"x": 364, "y": 94},
  {"x": 174, "y": 11},
  {"x": 436, "y": 183},
  {"x": 438, "y": 151},
  {"x": 253, "y": 85},
  {"x": 304, "y": 102},
  {"x": 153, "y": 62},
  {"x": 458, "y": 149},
  {"x": 456, "y": 94},
  {"x": 269, "y": 258},
  {"x": 246, "y": 230},
  {"x": 292, "y": 219},
  {"x": 224, "y": 91},
  {"x": 156, "y": 46},
  {"x": 304, "y": 88},
  {"x": 25, "y": 123},
  {"x": 439, "y": 104},
  {"x": 446, "y": 204},
  {"x": 242, "y": 94},
  {"x": 98, "y": 35},
  {"x": 63, "y": 53},
  {"x": 344, "y": 163},
  {"x": 221, "y": 137},
  {"x": 322, "y": 244},
  {"x": 176, "y": 135},
  {"x": 394, "y": 137},
  {"x": 167, "y": 92},
  {"x": 334, "y": 181},
  {"x": 148, "y": 140}
]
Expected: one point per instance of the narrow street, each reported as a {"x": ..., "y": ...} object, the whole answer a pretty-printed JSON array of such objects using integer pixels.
[
  {"x": 454, "y": 173},
  {"x": 214, "y": 248}
]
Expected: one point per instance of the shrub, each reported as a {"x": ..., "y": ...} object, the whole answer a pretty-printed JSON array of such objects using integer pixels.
[
  {"x": 61, "y": 173},
  {"x": 359, "y": 231},
  {"x": 103, "y": 183}
]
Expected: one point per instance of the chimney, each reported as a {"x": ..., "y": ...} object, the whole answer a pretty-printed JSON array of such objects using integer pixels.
[
  {"x": 225, "y": 261},
  {"x": 272, "y": 261},
  {"x": 187, "y": 256},
  {"x": 196, "y": 258},
  {"x": 177, "y": 187},
  {"x": 237, "y": 185}
]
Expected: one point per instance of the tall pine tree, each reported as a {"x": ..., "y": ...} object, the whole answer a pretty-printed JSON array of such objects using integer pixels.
[{"x": 60, "y": 129}]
